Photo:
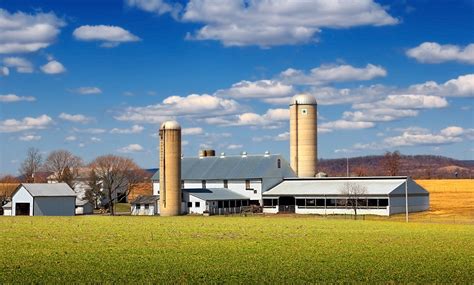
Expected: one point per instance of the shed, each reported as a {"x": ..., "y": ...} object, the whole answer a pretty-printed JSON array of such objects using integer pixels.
[
  {"x": 145, "y": 205},
  {"x": 84, "y": 207},
  {"x": 43, "y": 199},
  {"x": 7, "y": 209}
]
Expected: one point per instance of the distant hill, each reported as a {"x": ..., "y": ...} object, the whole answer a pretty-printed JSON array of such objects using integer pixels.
[{"x": 416, "y": 166}]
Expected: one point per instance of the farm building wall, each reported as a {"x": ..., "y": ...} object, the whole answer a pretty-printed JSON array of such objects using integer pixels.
[
  {"x": 195, "y": 208},
  {"x": 22, "y": 196},
  {"x": 152, "y": 210},
  {"x": 416, "y": 203},
  {"x": 85, "y": 209},
  {"x": 54, "y": 206}
]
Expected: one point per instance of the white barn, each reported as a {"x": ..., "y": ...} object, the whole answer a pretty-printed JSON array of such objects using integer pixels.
[
  {"x": 247, "y": 175},
  {"x": 43, "y": 199},
  {"x": 384, "y": 196},
  {"x": 213, "y": 201}
]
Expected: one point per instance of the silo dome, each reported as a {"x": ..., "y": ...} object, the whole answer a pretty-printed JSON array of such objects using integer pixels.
[
  {"x": 303, "y": 99},
  {"x": 170, "y": 125}
]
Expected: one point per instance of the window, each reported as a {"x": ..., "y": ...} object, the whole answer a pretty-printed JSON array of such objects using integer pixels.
[
  {"x": 147, "y": 206},
  {"x": 310, "y": 202},
  {"x": 226, "y": 184},
  {"x": 220, "y": 204},
  {"x": 238, "y": 203},
  {"x": 203, "y": 184},
  {"x": 372, "y": 202},
  {"x": 137, "y": 206},
  {"x": 190, "y": 204},
  {"x": 279, "y": 163},
  {"x": 320, "y": 202},
  {"x": 232, "y": 203},
  {"x": 197, "y": 204},
  {"x": 247, "y": 185},
  {"x": 270, "y": 202},
  {"x": 304, "y": 111},
  {"x": 300, "y": 202},
  {"x": 383, "y": 202},
  {"x": 330, "y": 202},
  {"x": 341, "y": 203}
]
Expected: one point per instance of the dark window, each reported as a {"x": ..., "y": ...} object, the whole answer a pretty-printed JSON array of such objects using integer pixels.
[
  {"x": 190, "y": 204},
  {"x": 137, "y": 206},
  {"x": 267, "y": 202},
  {"x": 226, "y": 204},
  {"x": 331, "y": 202},
  {"x": 383, "y": 202},
  {"x": 300, "y": 202},
  {"x": 197, "y": 204},
  {"x": 319, "y": 202},
  {"x": 341, "y": 202},
  {"x": 147, "y": 206},
  {"x": 226, "y": 184},
  {"x": 372, "y": 202},
  {"x": 310, "y": 202},
  {"x": 220, "y": 204},
  {"x": 203, "y": 184},
  {"x": 279, "y": 163},
  {"x": 238, "y": 203},
  {"x": 247, "y": 185},
  {"x": 232, "y": 203}
]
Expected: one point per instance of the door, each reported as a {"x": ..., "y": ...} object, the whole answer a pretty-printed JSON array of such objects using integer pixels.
[
  {"x": 286, "y": 204},
  {"x": 22, "y": 209}
]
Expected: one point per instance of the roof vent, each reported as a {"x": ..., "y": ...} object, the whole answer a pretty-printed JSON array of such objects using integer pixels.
[
  {"x": 244, "y": 154},
  {"x": 267, "y": 153},
  {"x": 222, "y": 154}
]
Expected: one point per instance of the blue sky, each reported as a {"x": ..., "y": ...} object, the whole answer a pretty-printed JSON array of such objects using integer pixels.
[{"x": 98, "y": 77}]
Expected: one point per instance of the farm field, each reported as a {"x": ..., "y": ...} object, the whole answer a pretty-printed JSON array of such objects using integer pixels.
[{"x": 218, "y": 249}]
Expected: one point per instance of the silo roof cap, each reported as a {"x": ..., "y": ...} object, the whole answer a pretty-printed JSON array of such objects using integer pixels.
[
  {"x": 170, "y": 125},
  {"x": 303, "y": 99}
]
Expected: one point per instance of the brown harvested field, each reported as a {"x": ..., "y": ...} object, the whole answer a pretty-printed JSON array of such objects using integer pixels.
[
  {"x": 450, "y": 200},
  {"x": 7, "y": 189}
]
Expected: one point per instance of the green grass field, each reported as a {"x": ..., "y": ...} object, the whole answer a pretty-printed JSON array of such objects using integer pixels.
[{"x": 216, "y": 249}]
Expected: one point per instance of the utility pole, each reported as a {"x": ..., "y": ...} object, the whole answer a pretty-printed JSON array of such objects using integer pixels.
[
  {"x": 347, "y": 166},
  {"x": 406, "y": 199}
]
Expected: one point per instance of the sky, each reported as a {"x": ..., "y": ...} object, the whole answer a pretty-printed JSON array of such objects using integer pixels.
[{"x": 98, "y": 77}]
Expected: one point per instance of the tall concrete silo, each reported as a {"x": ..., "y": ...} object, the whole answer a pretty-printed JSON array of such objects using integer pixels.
[
  {"x": 304, "y": 135},
  {"x": 170, "y": 169}
]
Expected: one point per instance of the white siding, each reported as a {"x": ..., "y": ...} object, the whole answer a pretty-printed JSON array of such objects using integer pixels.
[
  {"x": 334, "y": 211},
  {"x": 153, "y": 209},
  {"x": 7, "y": 212},
  {"x": 22, "y": 196},
  {"x": 193, "y": 209},
  {"x": 156, "y": 188}
]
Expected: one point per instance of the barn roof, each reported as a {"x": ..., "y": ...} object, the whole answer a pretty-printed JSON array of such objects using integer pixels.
[
  {"x": 215, "y": 194},
  {"x": 233, "y": 167},
  {"x": 333, "y": 186},
  {"x": 7, "y": 205},
  {"x": 48, "y": 189},
  {"x": 146, "y": 199}
]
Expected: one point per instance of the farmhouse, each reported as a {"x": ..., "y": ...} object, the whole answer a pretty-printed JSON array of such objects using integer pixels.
[
  {"x": 43, "y": 199},
  {"x": 382, "y": 196}
]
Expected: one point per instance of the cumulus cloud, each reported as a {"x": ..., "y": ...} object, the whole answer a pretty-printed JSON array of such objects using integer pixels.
[
  {"x": 194, "y": 105},
  {"x": 192, "y": 131},
  {"x": 155, "y": 6},
  {"x": 88, "y": 90},
  {"x": 346, "y": 125},
  {"x": 22, "y": 33},
  {"x": 70, "y": 138},
  {"x": 110, "y": 36},
  {"x": 257, "y": 89},
  {"x": 53, "y": 67},
  {"x": 29, "y": 138},
  {"x": 431, "y": 52},
  {"x": 78, "y": 118},
  {"x": 135, "y": 129},
  {"x": 234, "y": 146},
  {"x": 378, "y": 115},
  {"x": 93, "y": 131},
  {"x": 271, "y": 119},
  {"x": 270, "y": 23},
  {"x": 25, "y": 124},
  {"x": 406, "y": 101},
  {"x": 21, "y": 65},
  {"x": 332, "y": 73},
  {"x": 131, "y": 148},
  {"x": 462, "y": 86},
  {"x": 10, "y": 98}
]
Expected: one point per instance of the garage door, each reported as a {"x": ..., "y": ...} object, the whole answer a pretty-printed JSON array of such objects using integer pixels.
[{"x": 22, "y": 209}]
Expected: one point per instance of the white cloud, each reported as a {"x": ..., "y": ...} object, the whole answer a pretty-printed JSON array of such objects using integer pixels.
[
  {"x": 271, "y": 119},
  {"x": 93, "y": 131},
  {"x": 234, "y": 146},
  {"x": 257, "y": 89},
  {"x": 110, "y": 36},
  {"x": 379, "y": 115},
  {"x": 4, "y": 71},
  {"x": 88, "y": 90},
  {"x": 406, "y": 101},
  {"x": 27, "y": 123},
  {"x": 135, "y": 129},
  {"x": 22, "y": 65},
  {"x": 283, "y": 136},
  {"x": 431, "y": 52},
  {"x": 78, "y": 118},
  {"x": 269, "y": 23},
  {"x": 22, "y": 33},
  {"x": 96, "y": 139},
  {"x": 10, "y": 98},
  {"x": 346, "y": 125},
  {"x": 70, "y": 138},
  {"x": 332, "y": 73},
  {"x": 452, "y": 131},
  {"x": 131, "y": 148},
  {"x": 408, "y": 138},
  {"x": 155, "y": 6},
  {"x": 193, "y": 105},
  {"x": 462, "y": 86},
  {"x": 29, "y": 138},
  {"x": 53, "y": 67},
  {"x": 192, "y": 131}
]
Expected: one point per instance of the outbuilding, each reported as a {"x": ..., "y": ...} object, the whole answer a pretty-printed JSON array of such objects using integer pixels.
[
  {"x": 43, "y": 199},
  {"x": 215, "y": 201},
  {"x": 382, "y": 196},
  {"x": 145, "y": 206},
  {"x": 84, "y": 207},
  {"x": 7, "y": 209}
]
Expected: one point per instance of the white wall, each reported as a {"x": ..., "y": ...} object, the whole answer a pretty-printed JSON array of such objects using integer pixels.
[
  {"x": 22, "y": 196},
  {"x": 193, "y": 209},
  {"x": 152, "y": 210},
  {"x": 339, "y": 211},
  {"x": 7, "y": 212},
  {"x": 415, "y": 204}
]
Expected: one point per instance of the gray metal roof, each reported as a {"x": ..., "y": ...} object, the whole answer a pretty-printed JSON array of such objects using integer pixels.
[
  {"x": 80, "y": 202},
  {"x": 333, "y": 186},
  {"x": 146, "y": 199},
  {"x": 233, "y": 167},
  {"x": 48, "y": 189},
  {"x": 215, "y": 194}
]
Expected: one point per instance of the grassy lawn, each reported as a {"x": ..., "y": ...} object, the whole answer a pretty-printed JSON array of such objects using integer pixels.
[{"x": 231, "y": 250}]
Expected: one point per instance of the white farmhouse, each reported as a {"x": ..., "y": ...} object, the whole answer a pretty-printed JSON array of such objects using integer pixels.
[{"x": 43, "y": 199}]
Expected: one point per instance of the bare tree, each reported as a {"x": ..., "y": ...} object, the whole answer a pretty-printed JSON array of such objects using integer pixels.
[
  {"x": 93, "y": 193},
  {"x": 31, "y": 165},
  {"x": 117, "y": 174},
  {"x": 355, "y": 195},
  {"x": 391, "y": 162},
  {"x": 64, "y": 165}
]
